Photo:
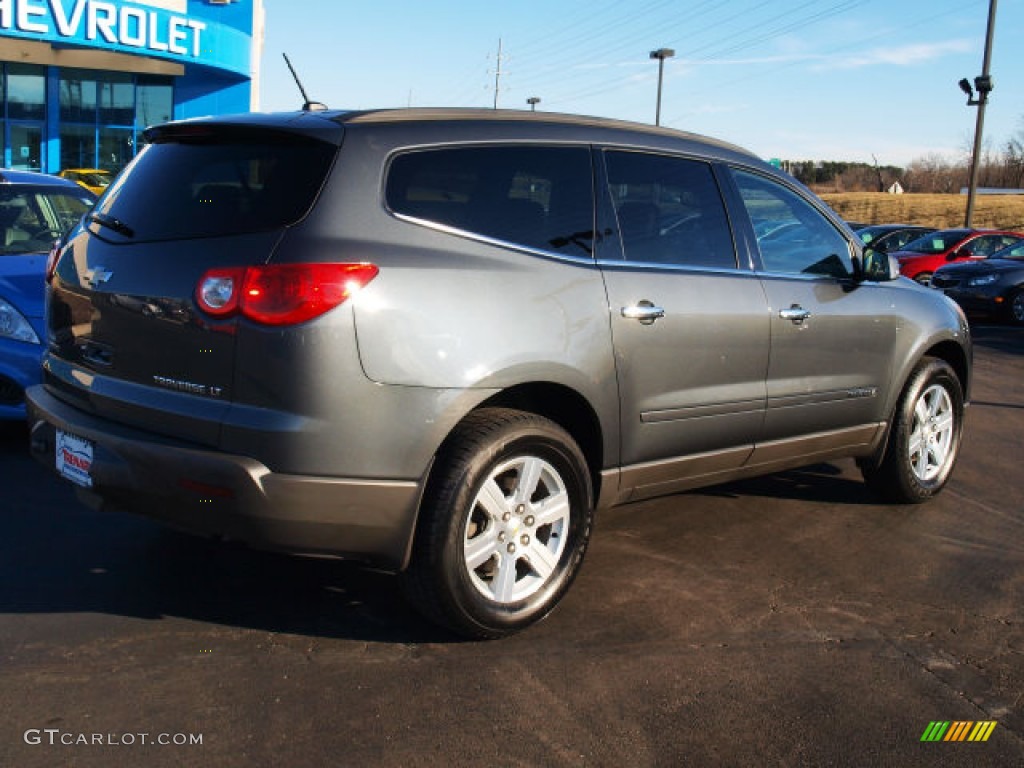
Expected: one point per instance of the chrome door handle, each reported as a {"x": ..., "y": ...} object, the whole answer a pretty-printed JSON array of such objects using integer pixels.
[
  {"x": 796, "y": 314},
  {"x": 644, "y": 311}
]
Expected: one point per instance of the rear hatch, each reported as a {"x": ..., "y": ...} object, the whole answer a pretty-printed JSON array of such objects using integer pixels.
[{"x": 127, "y": 339}]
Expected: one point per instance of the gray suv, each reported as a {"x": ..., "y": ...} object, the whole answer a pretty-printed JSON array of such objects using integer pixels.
[{"x": 437, "y": 341}]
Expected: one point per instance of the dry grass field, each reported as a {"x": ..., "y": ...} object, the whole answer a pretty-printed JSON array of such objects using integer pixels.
[{"x": 996, "y": 211}]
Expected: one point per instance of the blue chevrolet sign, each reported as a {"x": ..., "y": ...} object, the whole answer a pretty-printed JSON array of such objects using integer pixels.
[{"x": 188, "y": 33}]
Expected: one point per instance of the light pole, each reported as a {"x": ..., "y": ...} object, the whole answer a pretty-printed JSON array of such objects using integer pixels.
[
  {"x": 533, "y": 101},
  {"x": 984, "y": 86},
  {"x": 661, "y": 54}
]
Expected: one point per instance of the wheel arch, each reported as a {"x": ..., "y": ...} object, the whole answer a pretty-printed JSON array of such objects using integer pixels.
[
  {"x": 949, "y": 351},
  {"x": 567, "y": 408}
]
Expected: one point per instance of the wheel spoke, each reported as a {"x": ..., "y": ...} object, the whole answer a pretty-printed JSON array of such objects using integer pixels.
[
  {"x": 944, "y": 424},
  {"x": 921, "y": 413},
  {"x": 529, "y": 478},
  {"x": 552, "y": 509},
  {"x": 492, "y": 499},
  {"x": 915, "y": 442},
  {"x": 481, "y": 548},
  {"x": 504, "y": 583},
  {"x": 542, "y": 559}
]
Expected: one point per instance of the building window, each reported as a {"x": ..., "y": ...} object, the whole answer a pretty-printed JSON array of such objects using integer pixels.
[
  {"x": 116, "y": 148},
  {"x": 78, "y": 96},
  {"x": 77, "y": 146},
  {"x": 26, "y": 147},
  {"x": 26, "y": 92},
  {"x": 117, "y": 99},
  {"x": 154, "y": 101}
]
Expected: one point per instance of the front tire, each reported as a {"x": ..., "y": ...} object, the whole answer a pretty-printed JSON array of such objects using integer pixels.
[
  {"x": 1015, "y": 307},
  {"x": 503, "y": 526},
  {"x": 924, "y": 438},
  {"x": 923, "y": 278}
]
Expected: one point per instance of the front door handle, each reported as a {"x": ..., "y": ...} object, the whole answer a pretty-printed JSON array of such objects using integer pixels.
[
  {"x": 644, "y": 311},
  {"x": 796, "y": 314}
]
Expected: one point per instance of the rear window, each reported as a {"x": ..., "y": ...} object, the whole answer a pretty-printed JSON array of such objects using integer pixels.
[
  {"x": 536, "y": 197},
  {"x": 216, "y": 185}
]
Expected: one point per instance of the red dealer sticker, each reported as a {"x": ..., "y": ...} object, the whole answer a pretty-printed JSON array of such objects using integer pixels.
[{"x": 74, "y": 458}]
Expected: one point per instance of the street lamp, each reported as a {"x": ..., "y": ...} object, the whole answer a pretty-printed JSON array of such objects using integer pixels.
[
  {"x": 533, "y": 101},
  {"x": 983, "y": 84},
  {"x": 661, "y": 54}
]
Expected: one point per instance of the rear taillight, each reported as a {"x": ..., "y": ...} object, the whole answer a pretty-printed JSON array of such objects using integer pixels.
[
  {"x": 51, "y": 259},
  {"x": 280, "y": 294}
]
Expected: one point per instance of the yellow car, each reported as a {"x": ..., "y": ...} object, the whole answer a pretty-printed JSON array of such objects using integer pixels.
[{"x": 96, "y": 180}]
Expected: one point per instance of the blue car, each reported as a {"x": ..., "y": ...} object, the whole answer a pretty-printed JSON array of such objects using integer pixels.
[{"x": 35, "y": 209}]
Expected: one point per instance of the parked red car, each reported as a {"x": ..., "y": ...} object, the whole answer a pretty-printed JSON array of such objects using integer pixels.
[{"x": 921, "y": 257}]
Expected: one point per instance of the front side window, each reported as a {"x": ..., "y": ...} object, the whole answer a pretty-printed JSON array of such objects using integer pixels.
[
  {"x": 31, "y": 218},
  {"x": 535, "y": 197},
  {"x": 792, "y": 235},
  {"x": 669, "y": 211}
]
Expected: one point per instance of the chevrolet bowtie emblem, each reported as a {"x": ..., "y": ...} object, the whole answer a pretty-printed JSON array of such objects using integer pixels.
[{"x": 97, "y": 276}]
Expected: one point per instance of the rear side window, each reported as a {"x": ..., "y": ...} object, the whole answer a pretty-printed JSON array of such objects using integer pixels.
[
  {"x": 669, "y": 211},
  {"x": 217, "y": 185},
  {"x": 536, "y": 197}
]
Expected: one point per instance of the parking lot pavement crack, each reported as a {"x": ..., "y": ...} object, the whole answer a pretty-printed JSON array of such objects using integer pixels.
[{"x": 968, "y": 681}]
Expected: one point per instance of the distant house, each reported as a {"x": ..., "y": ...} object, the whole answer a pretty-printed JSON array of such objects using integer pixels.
[{"x": 895, "y": 188}]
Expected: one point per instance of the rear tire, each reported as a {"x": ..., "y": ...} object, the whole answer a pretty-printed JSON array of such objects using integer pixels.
[
  {"x": 924, "y": 438},
  {"x": 503, "y": 526}
]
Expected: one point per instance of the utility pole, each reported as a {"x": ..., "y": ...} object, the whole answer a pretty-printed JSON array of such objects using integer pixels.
[
  {"x": 984, "y": 86},
  {"x": 497, "y": 75}
]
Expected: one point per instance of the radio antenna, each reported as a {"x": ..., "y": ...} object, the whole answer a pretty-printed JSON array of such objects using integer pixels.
[{"x": 308, "y": 106}]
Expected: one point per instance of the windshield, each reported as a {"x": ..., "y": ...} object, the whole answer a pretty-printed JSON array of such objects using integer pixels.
[
  {"x": 936, "y": 242},
  {"x": 1015, "y": 251},
  {"x": 95, "y": 179},
  {"x": 219, "y": 184},
  {"x": 32, "y": 217}
]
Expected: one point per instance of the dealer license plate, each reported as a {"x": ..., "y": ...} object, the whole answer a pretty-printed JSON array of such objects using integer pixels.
[{"x": 74, "y": 458}]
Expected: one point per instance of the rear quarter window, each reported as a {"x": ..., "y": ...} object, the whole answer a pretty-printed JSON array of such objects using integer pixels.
[
  {"x": 535, "y": 197},
  {"x": 218, "y": 185}
]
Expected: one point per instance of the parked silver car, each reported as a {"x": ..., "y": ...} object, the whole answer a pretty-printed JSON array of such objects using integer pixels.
[{"x": 437, "y": 341}]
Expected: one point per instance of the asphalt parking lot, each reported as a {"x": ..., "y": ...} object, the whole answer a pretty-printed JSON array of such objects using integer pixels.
[{"x": 789, "y": 620}]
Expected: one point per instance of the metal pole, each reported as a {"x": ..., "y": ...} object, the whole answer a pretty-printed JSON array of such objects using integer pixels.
[
  {"x": 497, "y": 75},
  {"x": 661, "y": 70},
  {"x": 979, "y": 127}
]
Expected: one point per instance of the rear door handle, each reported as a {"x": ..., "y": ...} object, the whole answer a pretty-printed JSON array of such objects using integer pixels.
[
  {"x": 796, "y": 314},
  {"x": 644, "y": 311}
]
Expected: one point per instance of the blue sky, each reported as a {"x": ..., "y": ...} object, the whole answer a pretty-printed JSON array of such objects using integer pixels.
[{"x": 795, "y": 79}]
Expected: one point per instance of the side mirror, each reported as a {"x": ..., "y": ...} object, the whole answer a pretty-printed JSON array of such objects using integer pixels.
[{"x": 877, "y": 267}]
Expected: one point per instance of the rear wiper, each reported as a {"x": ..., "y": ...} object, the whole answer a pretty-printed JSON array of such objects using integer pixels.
[{"x": 110, "y": 222}]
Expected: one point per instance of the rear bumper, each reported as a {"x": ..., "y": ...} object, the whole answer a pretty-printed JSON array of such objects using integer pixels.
[{"x": 235, "y": 497}]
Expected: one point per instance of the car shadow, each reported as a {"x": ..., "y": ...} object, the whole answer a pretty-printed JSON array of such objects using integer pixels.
[
  {"x": 61, "y": 557},
  {"x": 821, "y": 483}
]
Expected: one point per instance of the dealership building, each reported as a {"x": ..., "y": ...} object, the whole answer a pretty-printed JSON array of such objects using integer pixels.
[{"x": 81, "y": 79}]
